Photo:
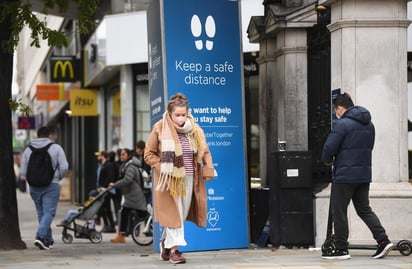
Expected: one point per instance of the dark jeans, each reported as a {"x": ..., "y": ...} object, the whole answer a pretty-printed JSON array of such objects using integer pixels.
[
  {"x": 126, "y": 218},
  {"x": 148, "y": 197},
  {"x": 117, "y": 201},
  {"x": 342, "y": 194},
  {"x": 106, "y": 213}
]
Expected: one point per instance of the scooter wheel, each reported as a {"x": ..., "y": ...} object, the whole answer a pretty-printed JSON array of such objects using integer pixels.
[{"x": 404, "y": 247}]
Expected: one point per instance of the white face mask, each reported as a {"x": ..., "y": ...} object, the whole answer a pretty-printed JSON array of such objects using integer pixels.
[
  {"x": 337, "y": 116},
  {"x": 339, "y": 112}
]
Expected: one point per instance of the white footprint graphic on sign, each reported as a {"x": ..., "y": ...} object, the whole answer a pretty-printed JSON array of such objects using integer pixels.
[
  {"x": 210, "y": 29},
  {"x": 196, "y": 27}
]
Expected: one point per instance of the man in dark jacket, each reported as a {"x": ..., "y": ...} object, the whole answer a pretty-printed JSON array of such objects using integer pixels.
[{"x": 349, "y": 149}]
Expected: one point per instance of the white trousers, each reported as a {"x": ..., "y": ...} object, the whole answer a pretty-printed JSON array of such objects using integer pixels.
[{"x": 176, "y": 236}]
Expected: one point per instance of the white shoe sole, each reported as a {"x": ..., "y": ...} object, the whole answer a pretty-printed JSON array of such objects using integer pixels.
[
  {"x": 40, "y": 244},
  {"x": 385, "y": 251}
]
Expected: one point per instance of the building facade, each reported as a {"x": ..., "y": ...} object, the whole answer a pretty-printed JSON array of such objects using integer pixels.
[
  {"x": 309, "y": 48},
  {"x": 114, "y": 65},
  {"x": 300, "y": 51}
]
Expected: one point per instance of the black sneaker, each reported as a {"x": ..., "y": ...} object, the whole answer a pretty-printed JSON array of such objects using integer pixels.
[
  {"x": 384, "y": 247},
  {"x": 41, "y": 243},
  {"x": 336, "y": 254}
]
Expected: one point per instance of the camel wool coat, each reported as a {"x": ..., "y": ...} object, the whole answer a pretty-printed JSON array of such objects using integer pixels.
[{"x": 165, "y": 205}]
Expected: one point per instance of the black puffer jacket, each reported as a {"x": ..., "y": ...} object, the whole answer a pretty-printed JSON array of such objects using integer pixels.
[
  {"x": 130, "y": 185},
  {"x": 349, "y": 146}
]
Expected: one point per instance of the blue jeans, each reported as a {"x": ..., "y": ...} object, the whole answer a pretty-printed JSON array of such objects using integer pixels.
[
  {"x": 45, "y": 200},
  {"x": 70, "y": 214}
]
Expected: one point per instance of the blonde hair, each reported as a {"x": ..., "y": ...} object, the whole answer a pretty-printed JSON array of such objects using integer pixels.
[{"x": 177, "y": 100}]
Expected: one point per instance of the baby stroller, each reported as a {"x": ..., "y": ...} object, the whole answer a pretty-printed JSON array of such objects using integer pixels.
[{"x": 82, "y": 225}]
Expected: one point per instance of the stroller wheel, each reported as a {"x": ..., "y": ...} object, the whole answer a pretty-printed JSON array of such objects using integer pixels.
[
  {"x": 96, "y": 237},
  {"x": 67, "y": 238}
]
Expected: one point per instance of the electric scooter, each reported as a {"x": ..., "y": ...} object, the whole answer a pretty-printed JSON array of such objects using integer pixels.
[{"x": 403, "y": 246}]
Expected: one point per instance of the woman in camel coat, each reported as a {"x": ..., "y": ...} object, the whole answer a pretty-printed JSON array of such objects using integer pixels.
[{"x": 177, "y": 151}]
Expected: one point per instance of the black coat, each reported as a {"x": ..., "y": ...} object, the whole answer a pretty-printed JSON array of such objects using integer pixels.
[
  {"x": 108, "y": 173},
  {"x": 349, "y": 145}
]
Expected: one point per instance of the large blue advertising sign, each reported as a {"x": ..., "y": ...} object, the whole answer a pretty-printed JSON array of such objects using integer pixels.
[{"x": 197, "y": 48}]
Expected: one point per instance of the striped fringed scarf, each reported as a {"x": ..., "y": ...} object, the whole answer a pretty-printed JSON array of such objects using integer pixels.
[{"x": 172, "y": 171}]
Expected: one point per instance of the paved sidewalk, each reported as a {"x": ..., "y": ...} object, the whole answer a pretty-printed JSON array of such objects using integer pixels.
[{"x": 84, "y": 254}]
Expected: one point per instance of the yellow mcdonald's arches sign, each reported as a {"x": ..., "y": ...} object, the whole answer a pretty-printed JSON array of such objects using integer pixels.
[
  {"x": 83, "y": 102},
  {"x": 64, "y": 69},
  {"x": 62, "y": 66}
]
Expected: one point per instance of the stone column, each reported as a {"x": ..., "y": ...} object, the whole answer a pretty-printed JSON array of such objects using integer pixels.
[
  {"x": 291, "y": 88},
  {"x": 126, "y": 88},
  {"x": 282, "y": 93},
  {"x": 267, "y": 114},
  {"x": 368, "y": 61}
]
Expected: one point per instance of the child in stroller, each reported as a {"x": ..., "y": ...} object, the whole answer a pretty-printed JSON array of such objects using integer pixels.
[
  {"x": 71, "y": 213},
  {"x": 81, "y": 221}
]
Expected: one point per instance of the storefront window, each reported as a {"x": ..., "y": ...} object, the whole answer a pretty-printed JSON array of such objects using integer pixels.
[{"x": 143, "y": 127}]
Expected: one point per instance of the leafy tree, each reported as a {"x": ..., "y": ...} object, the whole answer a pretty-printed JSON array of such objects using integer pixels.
[{"x": 14, "y": 15}]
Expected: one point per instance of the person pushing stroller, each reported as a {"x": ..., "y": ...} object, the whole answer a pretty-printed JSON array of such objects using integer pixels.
[{"x": 130, "y": 184}]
